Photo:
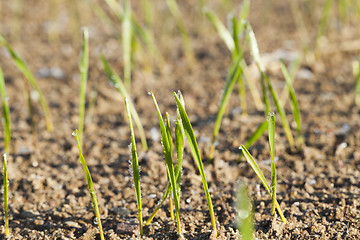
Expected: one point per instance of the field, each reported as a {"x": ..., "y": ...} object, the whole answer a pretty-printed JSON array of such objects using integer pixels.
[{"x": 317, "y": 181}]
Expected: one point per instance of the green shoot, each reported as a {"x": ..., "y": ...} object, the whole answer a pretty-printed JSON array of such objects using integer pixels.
[
  {"x": 245, "y": 218},
  {"x": 127, "y": 36},
  {"x": 6, "y": 113},
  {"x": 175, "y": 11},
  {"x": 168, "y": 132},
  {"x": 257, "y": 134},
  {"x": 294, "y": 103},
  {"x": 271, "y": 132},
  {"x": 196, "y": 154},
  {"x": 120, "y": 87},
  {"x": 135, "y": 167},
  {"x": 169, "y": 164},
  {"x": 90, "y": 185},
  {"x": 231, "y": 78},
  {"x": 356, "y": 70},
  {"x": 84, "y": 66},
  {"x": 293, "y": 68},
  {"x": 260, "y": 175},
  {"x": 5, "y": 184},
  {"x": 20, "y": 63},
  {"x": 323, "y": 23}
]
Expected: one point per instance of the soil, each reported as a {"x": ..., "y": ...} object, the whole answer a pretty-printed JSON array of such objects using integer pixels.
[{"x": 318, "y": 187}]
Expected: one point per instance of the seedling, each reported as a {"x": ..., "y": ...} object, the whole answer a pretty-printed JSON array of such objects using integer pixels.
[
  {"x": 196, "y": 154},
  {"x": 120, "y": 87},
  {"x": 84, "y": 66},
  {"x": 260, "y": 175},
  {"x": 5, "y": 184},
  {"x": 6, "y": 113},
  {"x": 90, "y": 185},
  {"x": 245, "y": 218},
  {"x": 271, "y": 132},
  {"x": 21, "y": 65},
  {"x": 135, "y": 167}
]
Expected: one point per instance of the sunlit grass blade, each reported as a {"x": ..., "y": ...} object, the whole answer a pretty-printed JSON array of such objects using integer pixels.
[
  {"x": 170, "y": 167},
  {"x": 135, "y": 167},
  {"x": 260, "y": 175},
  {"x": 245, "y": 218},
  {"x": 294, "y": 103},
  {"x": 6, "y": 113},
  {"x": 281, "y": 112},
  {"x": 196, "y": 154},
  {"x": 271, "y": 132},
  {"x": 90, "y": 185},
  {"x": 5, "y": 184},
  {"x": 252, "y": 86},
  {"x": 120, "y": 87},
  {"x": 244, "y": 13},
  {"x": 223, "y": 32},
  {"x": 257, "y": 134},
  {"x": 84, "y": 67},
  {"x": 127, "y": 35},
  {"x": 242, "y": 94},
  {"x": 294, "y": 67},
  {"x": 20, "y": 63},
  {"x": 168, "y": 132},
  {"x": 356, "y": 71},
  {"x": 175, "y": 11},
  {"x": 231, "y": 78}
]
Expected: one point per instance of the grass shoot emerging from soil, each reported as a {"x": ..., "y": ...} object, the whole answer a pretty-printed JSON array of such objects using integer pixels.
[
  {"x": 135, "y": 167},
  {"x": 245, "y": 218},
  {"x": 5, "y": 184},
  {"x": 271, "y": 132},
  {"x": 196, "y": 154},
  {"x": 84, "y": 67},
  {"x": 90, "y": 185},
  {"x": 121, "y": 88},
  {"x": 20, "y": 63},
  {"x": 6, "y": 113}
]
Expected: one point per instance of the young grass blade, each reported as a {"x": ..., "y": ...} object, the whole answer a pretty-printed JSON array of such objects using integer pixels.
[
  {"x": 294, "y": 103},
  {"x": 21, "y": 65},
  {"x": 169, "y": 163},
  {"x": 271, "y": 132},
  {"x": 242, "y": 94},
  {"x": 293, "y": 68},
  {"x": 223, "y": 32},
  {"x": 257, "y": 134},
  {"x": 196, "y": 154},
  {"x": 260, "y": 175},
  {"x": 281, "y": 112},
  {"x": 252, "y": 86},
  {"x": 6, "y": 113},
  {"x": 120, "y": 87},
  {"x": 245, "y": 218},
  {"x": 90, "y": 185},
  {"x": 323, "y": 22},
  {"x": 127, "y": 35},
  {"x": 175, "y": 11},
  {"x": 244, "y": 13},
  {"x": 231, "y": 78},
  {"x": 5, "y": 184},
  {"x": 135, "y": 167},
  {"x": 168, "y": 132},
  {"x": 84, "y": 66}
]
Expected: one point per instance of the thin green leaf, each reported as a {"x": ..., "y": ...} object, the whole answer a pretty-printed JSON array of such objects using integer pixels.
[
  {"x": 21, "y": 65},
  {"x": 120, "y": 87},
  {"x": 271, "y": 131},
  {"x": 196, "y": 154},
  {"x": 135, "y": 167},
  {"x": 245, "y": 218},
  {"x": 84, "y": 66},
  {"x": 6, "y": 113},
  {"x": 294, "y": 103},
  {"x": 5, "y": 184},
  {"x": 260, "y": 175},
  {"x": 257, "y": 134},
  {"x": 90, "y": 185}
]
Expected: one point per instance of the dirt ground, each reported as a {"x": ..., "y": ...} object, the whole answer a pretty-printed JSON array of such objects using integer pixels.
[{"x": 318, "y": 187}]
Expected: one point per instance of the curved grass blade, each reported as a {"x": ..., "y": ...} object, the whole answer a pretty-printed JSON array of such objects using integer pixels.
[
  {"x": 6, "y": 113},
  {"x": 135, "y": 167},
  {"x": 120, "y": 87},
  {"x": 294, "y": 67},
  {"x": 21, "y": 65},
  {"x": 84, "y": 67},
  {"x": 231, "y": 78},
  {"x": 196, "y": 154},
  {"x": 5, "y": 184},
  {"x": 252, "y": 86},
  {"x": 127, "y": 35},
  {"x": 168, "y": 132},
  {"x": 245, "y": 218},
  {"x": 271, "y": 131},
  {"x": 170, "y": 167},
  {"x": 90, "y": 185},
  {"x": 257, "y": 134},
  {"x": 294, "y": 103},
  {"x": 260, "y": 175}
]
